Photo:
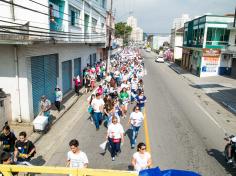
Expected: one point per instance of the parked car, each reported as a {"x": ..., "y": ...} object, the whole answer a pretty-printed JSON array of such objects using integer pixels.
[
  {"x": 159, "y": 59},
  {"x": 148, "y": 49}
]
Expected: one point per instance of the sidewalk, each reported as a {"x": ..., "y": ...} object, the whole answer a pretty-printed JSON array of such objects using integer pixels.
[
  {"x": 68, "y": 102},
  {"x": 220, "y": 88}
]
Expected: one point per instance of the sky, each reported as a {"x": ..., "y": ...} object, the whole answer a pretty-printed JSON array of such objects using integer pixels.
[{"x": 156, "y": 16}]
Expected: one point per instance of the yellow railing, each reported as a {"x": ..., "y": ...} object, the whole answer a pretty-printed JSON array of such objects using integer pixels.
[{"x": 7, "y": 170}]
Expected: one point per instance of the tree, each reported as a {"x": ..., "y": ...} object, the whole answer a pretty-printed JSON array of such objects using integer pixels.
[{"x": 122, "y": 30}]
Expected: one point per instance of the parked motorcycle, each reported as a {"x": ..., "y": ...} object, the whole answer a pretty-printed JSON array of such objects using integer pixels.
[{"x": 230, "y": 146}]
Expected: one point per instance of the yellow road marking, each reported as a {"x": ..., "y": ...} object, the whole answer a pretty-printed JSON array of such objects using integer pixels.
[{"x": 146, "y": 132}]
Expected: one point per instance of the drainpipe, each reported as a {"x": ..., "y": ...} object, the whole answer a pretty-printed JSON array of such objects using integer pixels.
[
  {"x": 18, "y": 82},
  {"x": 234, "y": 18}
]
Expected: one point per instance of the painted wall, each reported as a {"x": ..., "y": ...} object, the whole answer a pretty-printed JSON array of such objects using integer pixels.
[
  {"x": 8, "y": 79},
  {"x": 178, "y": 50}
]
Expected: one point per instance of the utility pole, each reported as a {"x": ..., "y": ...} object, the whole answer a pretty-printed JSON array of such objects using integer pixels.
[{"x": 109, "y": 39}]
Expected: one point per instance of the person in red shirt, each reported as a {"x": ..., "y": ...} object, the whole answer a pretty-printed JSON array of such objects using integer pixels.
[{"x": 76, "y": 83}]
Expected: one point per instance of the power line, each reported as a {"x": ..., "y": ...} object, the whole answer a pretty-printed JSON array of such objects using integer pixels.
[
  {"x": 36, "y": 11},
  {"x": 56, "y": 9},
  {"x": 44, "y": 28},
  {"x": 20, "y": 29},
  {"x": 38, "y": 35}
]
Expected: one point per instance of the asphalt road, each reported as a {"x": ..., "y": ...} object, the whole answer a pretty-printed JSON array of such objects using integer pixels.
[
  {"x": 53, "y": 147},
  {"x": 184, "y": 135}
]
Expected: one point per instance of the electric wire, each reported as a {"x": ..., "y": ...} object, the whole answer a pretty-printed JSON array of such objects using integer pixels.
[
  {"x": 57, "y": 10},
  {"x": 50, "y": 36},
  {"x": 36, "y": 11},
  {"x": 45, "y": 28},
  {"x": 27, "y": 30}
]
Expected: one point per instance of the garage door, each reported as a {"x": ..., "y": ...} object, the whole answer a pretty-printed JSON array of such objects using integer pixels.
[
  {"x": 66, "y": 76},
  {"x": 44, "y": 78}
]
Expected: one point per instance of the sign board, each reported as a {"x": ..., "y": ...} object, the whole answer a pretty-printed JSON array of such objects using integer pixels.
[
  {"x": 211, "y": 52},
  {"x": 210, "y": 66}
]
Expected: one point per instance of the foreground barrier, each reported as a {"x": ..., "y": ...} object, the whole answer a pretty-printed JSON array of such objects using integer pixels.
[{"x": 7, "y": 170}]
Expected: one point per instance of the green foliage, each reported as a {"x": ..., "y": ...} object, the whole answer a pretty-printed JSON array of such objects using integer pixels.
[{"x": 122, "y": 30}]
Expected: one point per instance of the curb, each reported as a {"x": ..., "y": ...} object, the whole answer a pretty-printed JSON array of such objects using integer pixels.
[
  {"x": 39, "y": 135},
  {"x": 177, "y": 71},
  {"x": 233, "y": 110}
]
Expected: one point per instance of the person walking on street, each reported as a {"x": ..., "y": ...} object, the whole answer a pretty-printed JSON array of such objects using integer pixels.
[
  {"x": 87, "y": 83},
  {"x": 141, "y": 100},
  {"x": 75, "y": 157},
  {"x": 141, "y": 159},
  {"x": 124, "y": 98},
  {"x": 45, "y": 106},
  {"x": 115, "y": 136},
  {"x": 24, "y": 150},
  {"x": 136, "y": 120},
  {"x": 90, "y": 108},
  {"x": 77, "y": 83},
  {"x": 58, "y": 100},
  {"x": 98, "y": 105},
  {"x": 8, "y": 139}
]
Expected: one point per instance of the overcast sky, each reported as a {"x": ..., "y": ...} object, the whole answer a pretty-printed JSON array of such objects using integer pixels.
[{"x": 158, "y": 15}]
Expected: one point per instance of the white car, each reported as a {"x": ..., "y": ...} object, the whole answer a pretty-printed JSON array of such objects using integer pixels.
[
  {"x": 160, "y": 59},
  {"x": 148, "y": 49}
]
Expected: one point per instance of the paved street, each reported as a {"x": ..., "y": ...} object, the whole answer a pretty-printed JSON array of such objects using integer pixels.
[
  {"x": 183, "y": 133},
  {"x": 53, "y": 147}
]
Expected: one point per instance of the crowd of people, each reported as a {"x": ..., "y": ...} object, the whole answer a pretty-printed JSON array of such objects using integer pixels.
[{"x": 121, "y": 87}]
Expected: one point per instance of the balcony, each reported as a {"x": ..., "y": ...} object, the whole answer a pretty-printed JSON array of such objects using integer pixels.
[
  {"x": 14, "y": 34},
  {"x": 216, "y": 44}
]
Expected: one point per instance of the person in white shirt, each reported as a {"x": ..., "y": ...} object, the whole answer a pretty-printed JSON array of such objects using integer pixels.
[
  {"x": 76, "y": 158},
  {"x": 141, "y": 159},
  {"x": 58, "y": 98},
  {"x": 98, "y": 107},
  {"x": 115, "y": 136},
  {"x": 136, "y": 120}
]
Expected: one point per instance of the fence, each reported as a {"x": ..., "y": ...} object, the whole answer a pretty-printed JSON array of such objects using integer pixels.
[{"x": 7, "y": 170}]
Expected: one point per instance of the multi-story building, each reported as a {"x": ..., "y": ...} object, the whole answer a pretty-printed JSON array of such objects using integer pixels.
[
  {"x": 230, "y": 52},
  {"x": 179, "y": 22},
  {"x": 176, "y": 39},
  {"x": 137, "y": 32},
  {"x": 176, "y": 42},
  {"x": 43, "y": 45},
  {"x": 204, "y": 39}
]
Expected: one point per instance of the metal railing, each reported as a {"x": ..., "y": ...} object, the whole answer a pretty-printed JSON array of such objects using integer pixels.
[{"x": 7, "y": 170}]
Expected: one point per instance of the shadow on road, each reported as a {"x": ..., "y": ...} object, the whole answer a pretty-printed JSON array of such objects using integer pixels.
[
  {"x": 39, "y": 161},
  {"x": 129, "y": 134},
  {"x": 204, "y": 86},
  {"x": 219, "y": 156}
]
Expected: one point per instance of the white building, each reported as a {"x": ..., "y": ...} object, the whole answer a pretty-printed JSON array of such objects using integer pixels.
[
  {"x": 137, "y": 32},
  {"x": 131, "y": 21},
  {"x": 45, "y": 47},
  {"x": 158, "y": 41},
  {"x": 179, "y": 22},
  {"x": 176, "y": 39},
  {"x": 229, "y": 54}
]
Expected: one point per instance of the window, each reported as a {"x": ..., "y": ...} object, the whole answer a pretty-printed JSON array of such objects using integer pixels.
[
  {"x": 74, "y": 16},
  {"x": 94, "y": 24},
  {"x": 217, "y": 36},
  {"x": 104, "y": 4}
]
